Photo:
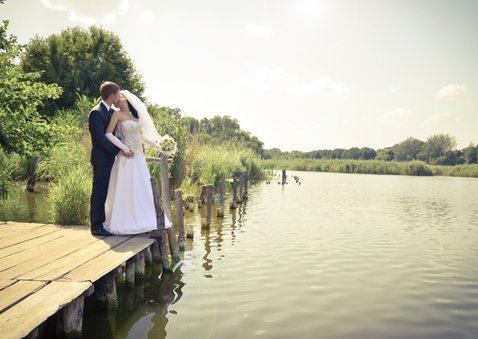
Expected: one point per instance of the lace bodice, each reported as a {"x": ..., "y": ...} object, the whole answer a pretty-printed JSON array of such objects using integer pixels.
[{"x": 131, "y": 131}]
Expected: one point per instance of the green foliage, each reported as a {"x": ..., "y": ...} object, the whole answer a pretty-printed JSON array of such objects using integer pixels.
[
  {"x": 435, "y": 147},
  {"x": 78, "y": 60},
  {"x": 220, "y": 162},
  {"x": 408, "y": 149},
  {"x": 226, "y": 129},
  {"x": 70, "y": 197},
  {"x": 22, "y": 129},
  {"x": 467, "y": 170},
  {"x": 351, "y": 166}
]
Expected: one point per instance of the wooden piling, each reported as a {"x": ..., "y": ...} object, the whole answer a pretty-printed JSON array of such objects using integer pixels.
[
  {"x": 246, "y": 182},
  {"x": 105, "y": 291},
  {"x": 155, "y": 252},
  {"x": 233, "y": 204},
  {"x": 130, "y": 272},
  {"x": 179, "y": 208},
  {"x": 70, "y": 319},
  {"x": 173, "y": 247},
  {"x": 148, "y": 257},
  {"x": 241, "y": 184},
  {"x": 284, "y": 177},
  {"x": 160, "y": 233},
  {"x": 208, "y": 194},
  {"x": 139, "y": 268}
]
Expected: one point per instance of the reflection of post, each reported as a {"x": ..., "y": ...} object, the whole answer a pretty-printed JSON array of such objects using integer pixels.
[
  {"x": 167, "y": 207},
  {"x": 179, "y": 208},
  {"x": 284, "y": 177}
]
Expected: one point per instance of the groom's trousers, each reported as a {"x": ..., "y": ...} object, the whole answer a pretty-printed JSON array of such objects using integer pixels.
[{"x": 101, "y": 179}]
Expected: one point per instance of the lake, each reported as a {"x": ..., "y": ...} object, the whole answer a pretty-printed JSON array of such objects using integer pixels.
[{"x": 338, "y": 256}]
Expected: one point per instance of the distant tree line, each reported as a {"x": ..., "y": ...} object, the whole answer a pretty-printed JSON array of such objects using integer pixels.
[{"x": 439, "y": 149}]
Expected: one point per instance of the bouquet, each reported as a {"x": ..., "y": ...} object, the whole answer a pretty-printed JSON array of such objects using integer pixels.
[{"x": 167, "y": 145}]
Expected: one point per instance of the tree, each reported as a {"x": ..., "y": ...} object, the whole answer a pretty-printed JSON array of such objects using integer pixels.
[
  {"x": 470, "y": 154},
  {"x": 408, "y": 149},
  {"x": 436, "y": 146},
  {"x": 22, "y": 129},
  {"x": 78, "y": 60}
]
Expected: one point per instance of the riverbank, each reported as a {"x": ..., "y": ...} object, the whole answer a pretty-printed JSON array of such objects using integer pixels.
[{"x": 414, "y": 168}]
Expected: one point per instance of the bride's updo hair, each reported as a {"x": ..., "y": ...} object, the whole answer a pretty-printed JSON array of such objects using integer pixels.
[{"x": 132, "y": 109}]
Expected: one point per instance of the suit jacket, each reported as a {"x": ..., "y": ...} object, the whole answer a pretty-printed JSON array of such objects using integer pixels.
[{"x": 103, "y": 151}]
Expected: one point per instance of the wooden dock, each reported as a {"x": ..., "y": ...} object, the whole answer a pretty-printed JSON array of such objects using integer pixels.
[{"x": 47, "y": 268}]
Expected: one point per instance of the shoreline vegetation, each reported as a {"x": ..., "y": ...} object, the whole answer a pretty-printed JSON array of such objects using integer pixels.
[
  {"x": 44, "y": 134},
  {"x": 380, "y": 167}
]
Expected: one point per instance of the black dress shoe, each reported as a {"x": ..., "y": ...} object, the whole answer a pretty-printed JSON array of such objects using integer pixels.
[{"x": 101, "y": 232}]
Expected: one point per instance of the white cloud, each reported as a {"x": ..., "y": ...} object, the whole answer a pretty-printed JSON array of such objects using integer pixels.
[
  {"x": 438, "y": 117},
  {"x": 147, "y": 16},
  {"x": 321, "y": 86},
  {"x": 261, "y": 78},
  {"x": 258, "y": 31},
  {"x": 399, "y": 114},
  {"x": 452, "y": 91},
  {"x": 89, "y": 12},
  {"x": 394, "y": 90}
]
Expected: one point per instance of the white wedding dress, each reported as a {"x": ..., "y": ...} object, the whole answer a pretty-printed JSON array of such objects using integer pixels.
[{"x": 129, "y": 205}]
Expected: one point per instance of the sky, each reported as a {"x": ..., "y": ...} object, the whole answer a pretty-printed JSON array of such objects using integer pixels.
[{"x": 298, "y": 74}]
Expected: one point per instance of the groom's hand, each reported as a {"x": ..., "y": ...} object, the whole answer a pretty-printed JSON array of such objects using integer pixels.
[{"x": 128, "y": 155}]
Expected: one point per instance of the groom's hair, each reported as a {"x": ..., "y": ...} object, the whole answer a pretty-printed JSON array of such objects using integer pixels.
[{"x": 107, "y": 88}]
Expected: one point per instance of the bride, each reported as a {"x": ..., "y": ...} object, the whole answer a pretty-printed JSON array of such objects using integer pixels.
[{"x": 129, "y": 204}]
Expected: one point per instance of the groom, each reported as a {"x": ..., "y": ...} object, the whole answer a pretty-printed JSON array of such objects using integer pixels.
[{"x": 103, "y": 154}]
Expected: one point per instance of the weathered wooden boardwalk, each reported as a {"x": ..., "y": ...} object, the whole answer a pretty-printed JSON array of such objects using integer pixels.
[{"x": 44, "y": 268}]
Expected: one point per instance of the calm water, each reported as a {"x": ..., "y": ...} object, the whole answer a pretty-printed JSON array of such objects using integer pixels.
[{"x": 339, "y": 256}]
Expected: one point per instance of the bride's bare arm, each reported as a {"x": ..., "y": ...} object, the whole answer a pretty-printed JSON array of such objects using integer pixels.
[{"x": 115, "y": 118}]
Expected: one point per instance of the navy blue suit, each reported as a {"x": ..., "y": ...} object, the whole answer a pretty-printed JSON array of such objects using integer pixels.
[{"x": 103, "y": 155}]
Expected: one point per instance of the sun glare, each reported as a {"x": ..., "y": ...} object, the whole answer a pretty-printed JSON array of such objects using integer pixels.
[{"x": 311, "y": 9}]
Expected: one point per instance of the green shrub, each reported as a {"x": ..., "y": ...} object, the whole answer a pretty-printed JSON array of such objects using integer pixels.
[{"x": 70, "y": 197}]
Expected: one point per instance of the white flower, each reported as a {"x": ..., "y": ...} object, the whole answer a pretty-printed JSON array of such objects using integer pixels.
[{"x": 167, "y": 145}]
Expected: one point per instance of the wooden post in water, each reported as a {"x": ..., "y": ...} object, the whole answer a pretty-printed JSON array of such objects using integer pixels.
[
  {"x": 173, "y": 247},
  {"x": 70, "y": 319},
  {"x": 284, "y": 177},
  {"x": 179, "y": 208},
  {"x": 139, "y": 266},
  {"x": 246, "y": 194},
  {"x": 130, "y": 272},
  {"x": 208, "y": 194},
  {"x": 160, "y": 233},
  {"x": 190, "y": 203},
  {"x": 233, "y": 204},
  {"x": 241, "y": 184},
  {"x": 155, "y": 252},
  {"x": 220, "y": 210},
  {"x": 105, "y": 290}
]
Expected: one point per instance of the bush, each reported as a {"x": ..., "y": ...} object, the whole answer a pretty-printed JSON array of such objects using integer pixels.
[{"x": 70, "y": 198}]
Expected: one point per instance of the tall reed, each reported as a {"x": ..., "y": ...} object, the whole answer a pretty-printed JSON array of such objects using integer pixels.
[{"x": 70, "y": 197}]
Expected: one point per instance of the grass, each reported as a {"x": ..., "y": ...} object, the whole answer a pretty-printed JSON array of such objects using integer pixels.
[{"x": 416, "y": 168}]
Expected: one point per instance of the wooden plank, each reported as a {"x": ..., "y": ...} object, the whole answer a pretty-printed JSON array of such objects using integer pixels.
[
  {"x": 17, "y": 292},
  {"x": 19, "y": 320},
  {"x": 11, "y": 227},
  {"x": 55, "y": 252},
  {"x": 5, "y": 283},
  {"x": 22, "y": 235},
  {"x": 70, "y": 236},
  {"x": 101, "y": 265},
  {"x": 31, "y": 243},
  {"x": 62, "y": 266}
]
